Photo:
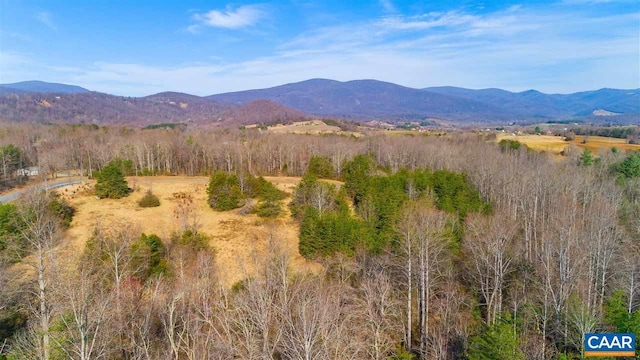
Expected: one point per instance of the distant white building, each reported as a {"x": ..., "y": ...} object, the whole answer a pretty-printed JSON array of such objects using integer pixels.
[{"x": 29, "y": 171}]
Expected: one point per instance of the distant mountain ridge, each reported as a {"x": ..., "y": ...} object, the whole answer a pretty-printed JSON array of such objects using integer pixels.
[
  {"x": 372, "y": 99},
  {"x": 40, "y": 87},
  {"x": 357, "y": 99}
]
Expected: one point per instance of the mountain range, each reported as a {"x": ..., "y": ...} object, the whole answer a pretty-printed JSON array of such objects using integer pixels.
[
  {"x": 35, "y": 101},
  {"x": 40, "y": 87}
]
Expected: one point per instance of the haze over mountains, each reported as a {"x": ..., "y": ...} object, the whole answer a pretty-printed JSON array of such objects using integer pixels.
[{"x": 35, "y": 101}]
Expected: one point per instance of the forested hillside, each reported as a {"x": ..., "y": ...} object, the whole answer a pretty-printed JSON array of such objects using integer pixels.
[
  {"x": 431, "y": 247},
  {"x": 169, "y": 107}
]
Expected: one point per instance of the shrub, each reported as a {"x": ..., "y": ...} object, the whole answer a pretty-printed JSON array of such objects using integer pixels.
[
  {"x": 192, "y": 240},
  {"x": 111, "y": 182},
  {"x": 269, "y": 209},
  {"x": 149, "y": 200}
]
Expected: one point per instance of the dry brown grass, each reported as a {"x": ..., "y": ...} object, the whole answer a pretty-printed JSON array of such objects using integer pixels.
[
  {"x": 594, "y": 143},
  {"x": 556, "y": 144},
  {"x": 234, "y": 237},
  {"x": 312, "y": 127}
]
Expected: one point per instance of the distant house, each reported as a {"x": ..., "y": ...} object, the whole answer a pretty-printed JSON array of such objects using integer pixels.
[{"x": 29, "y": 171}]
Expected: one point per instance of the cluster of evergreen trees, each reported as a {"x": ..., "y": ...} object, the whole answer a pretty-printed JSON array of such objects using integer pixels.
[
  {"x": 230, "y": 191},
  {"x": 328, "y": 225}
]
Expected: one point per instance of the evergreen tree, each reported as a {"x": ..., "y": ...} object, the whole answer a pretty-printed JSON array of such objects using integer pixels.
[
  {"x": 497, "y": 342},
  {"x": 356, "y": 174},
  {"x": 320, "y": 167},
  {"x": 630, "y": 166},
  {"x": 149, "y": 256},
  {"x": 618, "y": 317},
  {"x": 586, "y": 159},
  {"x": 111, "y": 182},
  {"x": 224, "y": 191}
]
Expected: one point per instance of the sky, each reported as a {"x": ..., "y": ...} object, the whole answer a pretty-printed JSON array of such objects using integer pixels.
[{"x": 138, "y": 48}]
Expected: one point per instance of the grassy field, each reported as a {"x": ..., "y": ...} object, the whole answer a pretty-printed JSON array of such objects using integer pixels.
[
  {"x": 312, "y": 127},
  {"x": 556, "y": 144},
  {"x": 234, "y": 237}
]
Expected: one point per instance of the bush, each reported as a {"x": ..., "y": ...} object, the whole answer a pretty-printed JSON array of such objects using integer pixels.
[
  {"x": 192, "y": 240},
  {"x": 269, "y": 209},
  {"x": 111, "y": 182},
  {"x": 149, "y": 200}
]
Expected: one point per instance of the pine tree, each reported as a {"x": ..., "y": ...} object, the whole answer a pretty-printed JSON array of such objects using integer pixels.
[{"x": 111, "y": 182}]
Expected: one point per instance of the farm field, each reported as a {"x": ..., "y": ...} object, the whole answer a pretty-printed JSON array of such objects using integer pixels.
[
  {"x": 556, "y": 144},
  {"x": 312, "y": 127},
  {"x": 235, "y": 238}
]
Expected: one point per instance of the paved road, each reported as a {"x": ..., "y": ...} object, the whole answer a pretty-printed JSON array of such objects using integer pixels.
[{"x": 15, "y": 194}]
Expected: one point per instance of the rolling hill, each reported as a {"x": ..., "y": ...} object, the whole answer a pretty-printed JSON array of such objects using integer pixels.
[
  {"x": 40, "y": 87},
  {"x": 104, "y": 109}
]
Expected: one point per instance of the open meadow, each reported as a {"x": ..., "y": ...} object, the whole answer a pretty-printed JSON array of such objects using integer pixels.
[
  {"x": 235, "y": 238},
  {"x": 556, "y": 144},
  {"x": 311, "y": 127}
]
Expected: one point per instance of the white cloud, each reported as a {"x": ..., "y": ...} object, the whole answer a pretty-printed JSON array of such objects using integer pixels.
[
  {"x": 45, "y": 18},
  {"x": 388, "y": 5},
  {"x": 194, "y": 29},
  {"x": 431, "y": 20},
  {"x": 230, "y": 18}
]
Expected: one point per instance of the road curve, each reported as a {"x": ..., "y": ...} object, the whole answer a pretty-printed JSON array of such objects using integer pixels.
[{"x": 15, "y": 194}]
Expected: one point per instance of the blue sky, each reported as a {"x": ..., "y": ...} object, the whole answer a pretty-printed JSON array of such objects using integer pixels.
[{"x": 139, "y": 48}]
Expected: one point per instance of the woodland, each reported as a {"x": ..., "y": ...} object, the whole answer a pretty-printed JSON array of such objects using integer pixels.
[{"x": 432, "y": 247}]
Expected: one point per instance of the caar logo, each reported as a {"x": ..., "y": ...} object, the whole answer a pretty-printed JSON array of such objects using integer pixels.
[{"x": 609, "y": 344}]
